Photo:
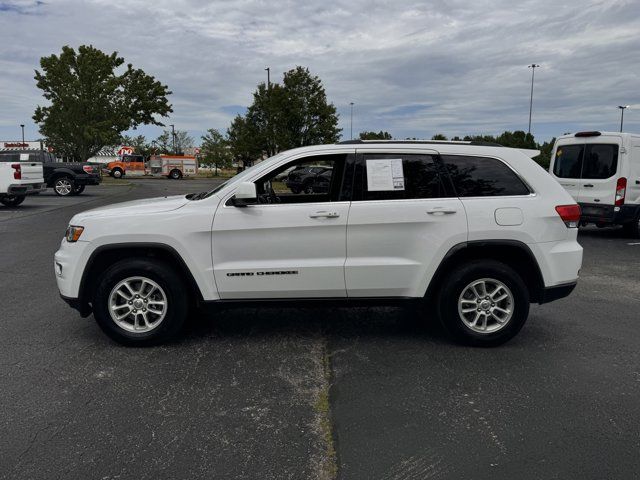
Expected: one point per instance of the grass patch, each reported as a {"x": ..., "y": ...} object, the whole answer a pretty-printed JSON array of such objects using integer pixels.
[{"x": 322, "y": 409}]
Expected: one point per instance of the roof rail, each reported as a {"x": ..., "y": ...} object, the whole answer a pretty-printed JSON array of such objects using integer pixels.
[{"x": 426, "y": 142}]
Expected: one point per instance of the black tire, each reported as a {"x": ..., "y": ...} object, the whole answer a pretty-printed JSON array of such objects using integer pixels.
[
  {"x": 63, "y": 186},
  {"x": 632, "y": 229},
  {"x": 78, "y": 189},
  {"x": 175, "y": 174},
  {"x": 451, "y": 293},
  {"x": 12, "y": 200},
  {"x": 172, "y": 284},
  {"x": 308, "y": 188},
  {"x": 117, "y": 173}
]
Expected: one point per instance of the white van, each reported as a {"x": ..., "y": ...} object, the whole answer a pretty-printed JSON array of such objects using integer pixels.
[{"x": 601, "y": 170}]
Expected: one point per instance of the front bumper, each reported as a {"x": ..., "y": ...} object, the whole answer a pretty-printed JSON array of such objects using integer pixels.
[
  {"x": 549, "y": 294},
  {"x": 608, "y": 214},
  {"x": 26, "y": 188}
]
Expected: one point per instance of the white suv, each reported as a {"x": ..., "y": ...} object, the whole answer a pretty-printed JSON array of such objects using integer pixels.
[{"x": 478, "y": 231}]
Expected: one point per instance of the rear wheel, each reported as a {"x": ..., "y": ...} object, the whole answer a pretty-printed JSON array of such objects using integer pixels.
[
  {"x": 63, "y": 186},
  {"x": 483, "y": 303},
  {"x": 632, "y": 229},
  {"x": 78, "y": 189},
  {"x": 140, "y": 302},
  {"x": 12, "y": 200},
  {"x": 175, "y": 174}
]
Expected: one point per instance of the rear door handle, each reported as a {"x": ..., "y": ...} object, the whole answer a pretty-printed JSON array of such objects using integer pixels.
[
  {"x": 441, "y": 211},
  {"x": 324, "y": 214},
  {"x": 588, "y": 185}
]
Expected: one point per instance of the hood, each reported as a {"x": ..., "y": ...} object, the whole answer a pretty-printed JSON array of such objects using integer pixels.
[{"x": 136, "y": 207}]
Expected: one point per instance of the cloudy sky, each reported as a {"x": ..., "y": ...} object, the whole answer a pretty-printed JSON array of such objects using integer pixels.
[{"x": 412, "y": 68}]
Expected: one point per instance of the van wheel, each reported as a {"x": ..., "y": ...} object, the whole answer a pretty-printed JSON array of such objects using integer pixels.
[
  {"x": 12, "y": 200},
  {"x": 116, "y": 173},
  {"x": 175, "y": 174},
  {"x": 140, "y": 302},
  {"x": 632, "y": 229},
  {"x": 483, "y": 303}
]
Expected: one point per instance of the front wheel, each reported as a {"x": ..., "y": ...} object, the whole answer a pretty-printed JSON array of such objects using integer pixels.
[
  {"x": 483, "y": 303},
  {"x": 117, "y": 173},
  {"x": 140, "y": 302},
  {"x": 12, "y": 200},
  {"x": 78, "y": 189}
]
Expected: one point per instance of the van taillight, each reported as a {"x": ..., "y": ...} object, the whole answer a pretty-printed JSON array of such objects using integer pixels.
[
  {"x": 621, "y": 191},
  {"x": 17, "y": 175},
  {"x": 570, "y": 214}
]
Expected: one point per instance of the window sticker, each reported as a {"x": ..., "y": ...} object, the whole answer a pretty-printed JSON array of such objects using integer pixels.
[
  {"x": 24, "y": 157},
  {"x": 385, "y": 175}
]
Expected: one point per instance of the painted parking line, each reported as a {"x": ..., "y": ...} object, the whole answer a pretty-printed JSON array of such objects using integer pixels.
[{"x": 634, "y": 243}]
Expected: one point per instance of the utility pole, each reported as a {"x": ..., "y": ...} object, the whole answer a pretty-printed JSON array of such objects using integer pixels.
[
  {"x": 269, "y": 152},
  {"x": 268, "y": 69},
  {"x": 622, "y": 109},
  {"x": 22, "y": 127},
  {"x": 173, "y": 136},
  {"x": 533, "y": 67},
  {"x": 351, "y": 104}
]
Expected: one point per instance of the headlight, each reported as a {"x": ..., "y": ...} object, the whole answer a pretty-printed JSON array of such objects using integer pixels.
[{"x": 73, "y": 233}]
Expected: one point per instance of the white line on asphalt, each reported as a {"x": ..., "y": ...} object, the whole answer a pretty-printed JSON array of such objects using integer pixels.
[{"x": 635, "y": 243}]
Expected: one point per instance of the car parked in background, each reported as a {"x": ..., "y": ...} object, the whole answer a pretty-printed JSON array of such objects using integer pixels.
[
  {"x": 470, "y": 234},
  {"x": 19, "y": 177},
  {"x": 302, "y": 179},
  {"x": 601, "y": 171},
  {"x": 65, "y": 178}
]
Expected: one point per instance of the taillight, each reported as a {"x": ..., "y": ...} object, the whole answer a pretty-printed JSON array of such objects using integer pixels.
[
  {"x": 621, "y": 191},
  {"x": 570, "y": 214},
  {"x": 87, "y": 168},
  {"x": 17, "y": 175}
]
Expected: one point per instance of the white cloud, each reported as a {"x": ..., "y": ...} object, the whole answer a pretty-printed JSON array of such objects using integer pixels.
[{"x": 413, "y": 68}]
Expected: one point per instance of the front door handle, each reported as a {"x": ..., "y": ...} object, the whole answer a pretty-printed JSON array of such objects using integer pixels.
[
  {"x": 324, "y": 214},
  {"x": 441, "y": 211},
  {"x": 588, "y": 185}
]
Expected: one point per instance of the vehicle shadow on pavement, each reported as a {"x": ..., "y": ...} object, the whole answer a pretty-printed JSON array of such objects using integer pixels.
[
  {"x": 343, "y": 322},
  {"x": 605, "y": 232}
]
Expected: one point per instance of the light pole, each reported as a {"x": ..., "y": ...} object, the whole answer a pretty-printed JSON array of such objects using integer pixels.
[
  {"x": 622, "y": 109},
  {"x": 173, "y": 137},
  {"x": 22, "y": 127},
  {"x": 268, "y": 69},
  {"x": 533, "y": 67},
  {"x": 351, "y": 104}
]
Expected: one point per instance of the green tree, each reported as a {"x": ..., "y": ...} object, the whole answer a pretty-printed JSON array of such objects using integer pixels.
[
  {"x": 375, "y": 135},
  {"x": 91, "y": 103},
  {"x": 439, "y": 136},
  {"x": 165, "y": 142},
  {"x": 215, "y": 150},
  {"x": 283, "y": 116}
]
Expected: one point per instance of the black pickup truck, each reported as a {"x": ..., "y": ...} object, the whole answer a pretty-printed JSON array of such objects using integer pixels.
[{"x": 66, "y": 178}]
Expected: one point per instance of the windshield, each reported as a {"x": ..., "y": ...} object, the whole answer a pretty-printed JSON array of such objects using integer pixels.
[{"x": 237, "y": 178}]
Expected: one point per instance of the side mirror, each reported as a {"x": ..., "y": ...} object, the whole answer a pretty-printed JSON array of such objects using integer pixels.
[{"x": 245, "y": 195}]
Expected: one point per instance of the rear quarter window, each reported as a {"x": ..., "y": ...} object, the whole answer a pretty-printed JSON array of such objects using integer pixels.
[
  {"x": 482, "y": 177},
  {"x": 568, "y": 161}
]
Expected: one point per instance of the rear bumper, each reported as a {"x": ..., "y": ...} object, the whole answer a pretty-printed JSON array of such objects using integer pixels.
[
  {"x": 608, "y": 214},
  {"x": 26, "y": 188},
  {"x": 549, "y": 294}
]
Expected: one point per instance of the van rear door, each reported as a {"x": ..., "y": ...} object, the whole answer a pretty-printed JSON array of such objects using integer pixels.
[
  {"x": 600, "y": 166},
  {"x": 566, "y": 165}
]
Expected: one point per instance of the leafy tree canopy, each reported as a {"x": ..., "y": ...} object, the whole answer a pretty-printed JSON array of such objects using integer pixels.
[
  {"x": 283, "y": 116},
  {"x": 91, "y": 103},
  {"x": 376, "y": 135},
  {"x": 215, "y": 150}
]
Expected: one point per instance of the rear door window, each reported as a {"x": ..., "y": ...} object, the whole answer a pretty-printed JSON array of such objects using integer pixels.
[
  {"x": 482, "y": 177},
  {"x": 568, "y": 161},
  {"x": 600, "y": 161}
]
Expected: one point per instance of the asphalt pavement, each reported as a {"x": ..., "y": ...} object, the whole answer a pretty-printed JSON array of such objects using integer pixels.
[{"x": 242, "y": 395}]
